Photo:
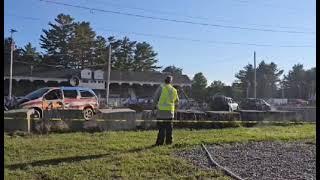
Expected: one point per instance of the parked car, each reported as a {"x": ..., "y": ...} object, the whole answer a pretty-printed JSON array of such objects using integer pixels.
[
  {"x": 65, "y": 98},
  {"x": 255, "y": 104},
  {"x": 297, "y": 102},
  {"x": 223, "y": 103}
]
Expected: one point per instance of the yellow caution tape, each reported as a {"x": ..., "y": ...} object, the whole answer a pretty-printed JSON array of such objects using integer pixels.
[{"x": 174, "y": 121}]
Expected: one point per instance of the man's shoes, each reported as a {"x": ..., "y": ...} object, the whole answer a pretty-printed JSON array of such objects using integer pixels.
[{"x": 168, "y": 143}]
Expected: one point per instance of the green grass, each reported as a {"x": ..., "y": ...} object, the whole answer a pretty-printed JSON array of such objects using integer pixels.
[{"x": 126, "y": 155}]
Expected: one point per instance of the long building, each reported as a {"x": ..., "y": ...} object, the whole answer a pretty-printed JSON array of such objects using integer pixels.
[{"x": 123, "y": 84}]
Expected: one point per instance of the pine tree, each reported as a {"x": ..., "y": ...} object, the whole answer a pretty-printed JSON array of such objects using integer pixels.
[
  {"x": 30, "y": 54},
  {"x": 125, "y": 55},
  {"x": 56, "y": 40},
  {"x": 144, "y": 58},
  {"x": 198, "y": 88},
  {"x": 83, "y": 46}
]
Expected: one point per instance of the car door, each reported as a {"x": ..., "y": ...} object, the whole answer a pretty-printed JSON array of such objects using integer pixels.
[
  {"x": 71, "y": 99},
  {"x": 53, "y": 100},
  {"x": 87, "y": 98}
]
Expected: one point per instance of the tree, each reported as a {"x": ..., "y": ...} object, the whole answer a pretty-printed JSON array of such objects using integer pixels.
[
  {"x": 17, "y": 52},
  {"x": 115, "y": 45},
  {"x": 237, "y": 90},
  {"x": 82, "y": 46},
  {"x": 300, "y": 83},
  {"x": 172, "y": 69},
  {"x": 30, "y": 54},
  {"x": 56, "y": 40},
  {"x": 245, "y": 79},
  {"x": 311, "y": 81},
  {"x": 216, "y": 87},
  {"x": 144, "y": 58},
  {"x": 268, "y": 76},
  {"x": 198, "y": 88},
  {"x": 75, "y": 45},
  {"x": 124, "y": 55},
  {"x": 101, "y": 51}
]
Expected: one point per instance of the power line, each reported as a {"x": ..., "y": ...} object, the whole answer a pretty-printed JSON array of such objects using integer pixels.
[
  {"x": 175, "y": 20},
  {"x": 202, "y": 41},
  {"x": 23, "y": 17},
  {"x": 147, "y": 10},
  {"x": 268, "y": 4},
  {"x": 165, "y": 12},
  {"x": 257, "y": 25},
  {"x": 195, "y": 17},
  {"x": 191, "y": 40}
]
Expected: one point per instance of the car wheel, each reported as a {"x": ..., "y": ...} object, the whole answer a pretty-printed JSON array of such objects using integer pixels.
[
  {"x": 88, "y": 113},
  {"x": 36, "y": 114}
]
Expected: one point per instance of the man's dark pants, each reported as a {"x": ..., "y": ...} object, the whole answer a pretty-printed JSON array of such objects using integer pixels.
[{"x": 165, "y": 131}]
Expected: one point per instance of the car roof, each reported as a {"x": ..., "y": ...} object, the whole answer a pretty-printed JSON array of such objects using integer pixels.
[
  {"x": 69, "y": 88},
  {"x": 75, "y": 88}
]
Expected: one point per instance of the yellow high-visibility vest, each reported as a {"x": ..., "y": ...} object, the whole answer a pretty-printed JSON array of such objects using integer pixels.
[{"x": 168, "y": 98}]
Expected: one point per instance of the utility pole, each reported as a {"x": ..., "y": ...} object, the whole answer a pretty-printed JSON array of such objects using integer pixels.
[
  {"x": 108, "y": 76},
  {"x": 282, "y": 88},
  {"x": 255, "y": 77},
  {"x": 248, "y": 86},
  {"x": 11, "y": 63}
]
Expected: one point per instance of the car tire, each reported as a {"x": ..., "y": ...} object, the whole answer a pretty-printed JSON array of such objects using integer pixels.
[
  {"x": 88, "y": 113},
  {"x": 36, "y": 114}
]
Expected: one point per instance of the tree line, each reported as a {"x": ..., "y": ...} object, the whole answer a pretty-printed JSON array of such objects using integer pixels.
[
  {"x": 297, "y": 83},
  {"x": 76, "y": 45}
]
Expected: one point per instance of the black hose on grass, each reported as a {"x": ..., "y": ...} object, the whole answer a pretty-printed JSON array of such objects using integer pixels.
[{"x": 227, "y": 171}]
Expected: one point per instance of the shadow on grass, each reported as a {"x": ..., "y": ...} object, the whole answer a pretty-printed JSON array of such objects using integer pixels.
[
  {"x": 70, "y": 159},
  {"x": 137, "y": 150},
  {"x": 56, "y": 161}
]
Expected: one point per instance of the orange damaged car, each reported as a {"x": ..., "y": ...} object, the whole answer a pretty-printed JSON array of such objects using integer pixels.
[{"x": 64, "y": 98}]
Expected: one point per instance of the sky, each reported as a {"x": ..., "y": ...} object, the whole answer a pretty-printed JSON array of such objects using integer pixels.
[{"x": 219, "y": 50}]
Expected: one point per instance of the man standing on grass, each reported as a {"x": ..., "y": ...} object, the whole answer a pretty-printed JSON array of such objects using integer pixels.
[{"x": 165, "y": 101}]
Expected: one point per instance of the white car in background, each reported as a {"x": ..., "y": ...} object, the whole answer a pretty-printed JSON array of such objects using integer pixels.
[
  {"x": 223, "y": 103},
  {"x": 233, "y": 106}
]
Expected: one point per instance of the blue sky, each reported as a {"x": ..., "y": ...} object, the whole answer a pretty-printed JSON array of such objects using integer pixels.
[{"x": 217, "y": 61}]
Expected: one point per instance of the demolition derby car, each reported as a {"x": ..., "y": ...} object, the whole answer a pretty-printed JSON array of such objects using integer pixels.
[{"x": 63, "y": 98}]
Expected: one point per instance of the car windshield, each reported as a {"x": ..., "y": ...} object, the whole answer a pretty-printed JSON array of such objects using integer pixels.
[{"x": 36, "y": 94}]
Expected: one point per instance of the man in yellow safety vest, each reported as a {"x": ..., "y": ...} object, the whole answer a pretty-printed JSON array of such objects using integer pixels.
[{"x": 166, "y": 101}]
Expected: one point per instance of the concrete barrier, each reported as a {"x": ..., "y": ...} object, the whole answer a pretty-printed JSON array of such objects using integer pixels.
[
  {"x": 18, "y": 120},
  {"x": 125, "y": 119},
  {"x": 281, "y": 116},
  {"x": 190, "y": 115},
  {"x": 117, "y": 119},
  {"x": 308, "y": 114},
  {"x": 223, "y": 116},
  {"x": 63, "y": 114},
  {"x": 106, "y": 119},
  {"x": 147, "y": 123},
  {"x": 253, "y": 115}
]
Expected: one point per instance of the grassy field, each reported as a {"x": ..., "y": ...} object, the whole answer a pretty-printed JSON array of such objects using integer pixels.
[{"x": 126, "y": 155}]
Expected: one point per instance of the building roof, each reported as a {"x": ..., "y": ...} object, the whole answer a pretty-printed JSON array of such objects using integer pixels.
[{"x": 20, "y": 69}]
